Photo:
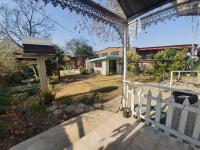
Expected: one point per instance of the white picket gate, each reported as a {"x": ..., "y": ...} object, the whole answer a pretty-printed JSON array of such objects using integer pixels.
[{"x": 148, "y": 107}]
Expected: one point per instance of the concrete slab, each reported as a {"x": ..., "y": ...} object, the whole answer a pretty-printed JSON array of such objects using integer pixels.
[
  {"x": 101, "y": 130},
  {"x": 65, "y": 134}
]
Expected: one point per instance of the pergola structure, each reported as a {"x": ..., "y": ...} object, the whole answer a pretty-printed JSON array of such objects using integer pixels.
[{"x": 137, "y": 14}]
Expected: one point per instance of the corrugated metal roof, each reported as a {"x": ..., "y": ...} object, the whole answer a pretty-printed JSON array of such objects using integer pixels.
[
  {"x": 106, "y": 58},
  {"x": 133, "y": 8}
]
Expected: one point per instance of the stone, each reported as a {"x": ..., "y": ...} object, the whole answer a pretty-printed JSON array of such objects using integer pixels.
[
  {"x": 62, "y": 106},
  {"x": 21, "y": 108},
  {"x": 70, "y": 108},
  {"x": 88, "y": 108},
  {"x": 79, "y": 110},
  {"x": 51, "y": 108},
  {"x": 81, "y": 105},
  {"x": 58, "y": 112},
  {"x": 98, "y": 106}
]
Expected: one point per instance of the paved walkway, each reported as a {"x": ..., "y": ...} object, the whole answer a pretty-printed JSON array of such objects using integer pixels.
[{"x": 101, "y": 130}]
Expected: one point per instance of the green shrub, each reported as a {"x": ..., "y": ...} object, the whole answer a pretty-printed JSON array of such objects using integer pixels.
[
  {"x": 38, "y": 108},
  {"x": 4, "y": 126},
  {"x": 4, "y": 100},
  {"x": 19, "y": 97},
  {"x": 83, "y": 71},
  {"x": 98, "y": 97},
  {"x": 48, "y": 98},
  {"x": 66, "y": 100}
]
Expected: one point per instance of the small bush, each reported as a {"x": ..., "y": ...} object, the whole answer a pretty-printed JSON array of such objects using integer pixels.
[
  {"x": 4, "y": 126},
  {"x": 38, "y": 108},
  {"x": 48, "y": 98},
  {"x": 19, "y": 98},
  {"x": 83, "y": 71},
  {"x": 98, "y": 97},
  {"x": 4, "y": 104},
  {"x": 66, "y": 100}
]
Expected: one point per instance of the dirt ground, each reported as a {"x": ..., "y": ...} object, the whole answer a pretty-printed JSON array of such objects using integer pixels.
[
  {"x": 76, "y": 84},
  {"x": 24, "y": 125}
]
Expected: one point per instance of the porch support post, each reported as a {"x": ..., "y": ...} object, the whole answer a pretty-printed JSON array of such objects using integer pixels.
[
  {"x": 42, "y": 74},
  {"x": 125, "y": 47}
]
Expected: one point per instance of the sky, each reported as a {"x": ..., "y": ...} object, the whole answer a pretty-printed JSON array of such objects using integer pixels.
[{"x": 169, "y": 33}]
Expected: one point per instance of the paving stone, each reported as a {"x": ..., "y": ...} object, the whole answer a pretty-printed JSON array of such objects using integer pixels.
[
  {"x": 62, "y": 106},
  {"x": 51, "y": 108},
  {"x": 70, "y": 108},
  {"x": 79, "y": 110},
  {"x": 81, "y": 105},
  {"x": 58, "y": 112}
]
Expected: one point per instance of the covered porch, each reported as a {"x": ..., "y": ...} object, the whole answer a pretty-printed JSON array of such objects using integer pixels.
[{"x": 151, "y": 123}]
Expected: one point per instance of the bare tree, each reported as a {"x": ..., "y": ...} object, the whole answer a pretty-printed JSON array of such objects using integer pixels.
[{"x": 24, "y": 20}]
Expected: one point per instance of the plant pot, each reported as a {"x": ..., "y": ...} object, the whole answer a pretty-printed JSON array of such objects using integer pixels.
[{"x": 126, "y": 114}]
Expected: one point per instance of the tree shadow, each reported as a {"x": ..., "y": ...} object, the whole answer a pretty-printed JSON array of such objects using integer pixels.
[
  {"x": 124, "y": 135},
  {"x": 75, "y": 78},
  {"x": 86, "y": 97}
]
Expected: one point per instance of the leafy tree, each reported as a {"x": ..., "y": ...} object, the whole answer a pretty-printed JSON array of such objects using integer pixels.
[
  {"x": 169, "y": 60},
  {"x": 8, "y": 64},
  {"x": 79, "y": 48},
  {"x": 57, "y": 62},
  {"x": 180, "y": 60},
  {"x": 24, "y": 20},
  {"x": 133, "y": 62}
]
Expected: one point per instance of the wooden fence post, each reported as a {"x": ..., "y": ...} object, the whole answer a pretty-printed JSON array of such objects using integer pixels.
[
  {"x": 158, "y": 107},
  {"x": 169, "y": 113},
  {"x": 132, "y": 101},
  {"x": 196, "y": 130},
  {"x": 184, "y": 116},
  {"x": 139, "y": 103},
  {"x": 148, "y": 108}
]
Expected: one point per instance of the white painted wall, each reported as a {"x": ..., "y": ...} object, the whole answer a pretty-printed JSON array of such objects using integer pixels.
[
  {"x": 88, "y": 65},
  {"x": 105, "y": 67},
  {"x": 104, "y": 70},
  {"x": 119, "y": 68}
]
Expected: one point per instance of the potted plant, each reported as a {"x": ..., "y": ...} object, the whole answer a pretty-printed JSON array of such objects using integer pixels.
[{"x": 126, "y": 112}]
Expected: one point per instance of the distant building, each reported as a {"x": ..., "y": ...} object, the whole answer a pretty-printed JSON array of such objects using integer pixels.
[
  {"x": 149, "y": 52},
  {"x": 109, "y": 60}
]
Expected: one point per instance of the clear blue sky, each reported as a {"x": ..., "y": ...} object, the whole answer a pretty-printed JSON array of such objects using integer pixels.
[{"x": 173, "y": 32}]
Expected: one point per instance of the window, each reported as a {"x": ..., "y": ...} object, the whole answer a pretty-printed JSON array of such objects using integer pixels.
[
  {"x": 104, "y": 54},
  {"x": 115, "y": 53},
  {"x": 98, "y": 64}
]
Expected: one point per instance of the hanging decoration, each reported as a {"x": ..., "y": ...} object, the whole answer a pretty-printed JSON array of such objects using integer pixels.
[
  {"x": 192, "y": 8},
  {"x": 92, "y": 10}
]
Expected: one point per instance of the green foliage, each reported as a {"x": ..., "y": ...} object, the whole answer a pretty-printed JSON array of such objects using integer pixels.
[
  {"x": 79, "y": 48},
  {"x": 19, "y": 98},
  {"x": 52, "y": 64},
  {"x": 83, "y": 71},
  {"x": 4, "y": 126},
  {"x": 38, "y": 108},
  {"x": 98, "y": 97},
  {"x": 48, "y": 98},
  {"x": 4, "y": 100},
  {"x": 133, "y": 62},
  {"x": 149, "y": 70},
  {"x": 66, "y": 100},
  {"x": 169, "y": 60}
]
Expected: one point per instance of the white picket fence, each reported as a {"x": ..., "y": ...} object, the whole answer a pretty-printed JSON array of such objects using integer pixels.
[{"x": 137, "y": 94}]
